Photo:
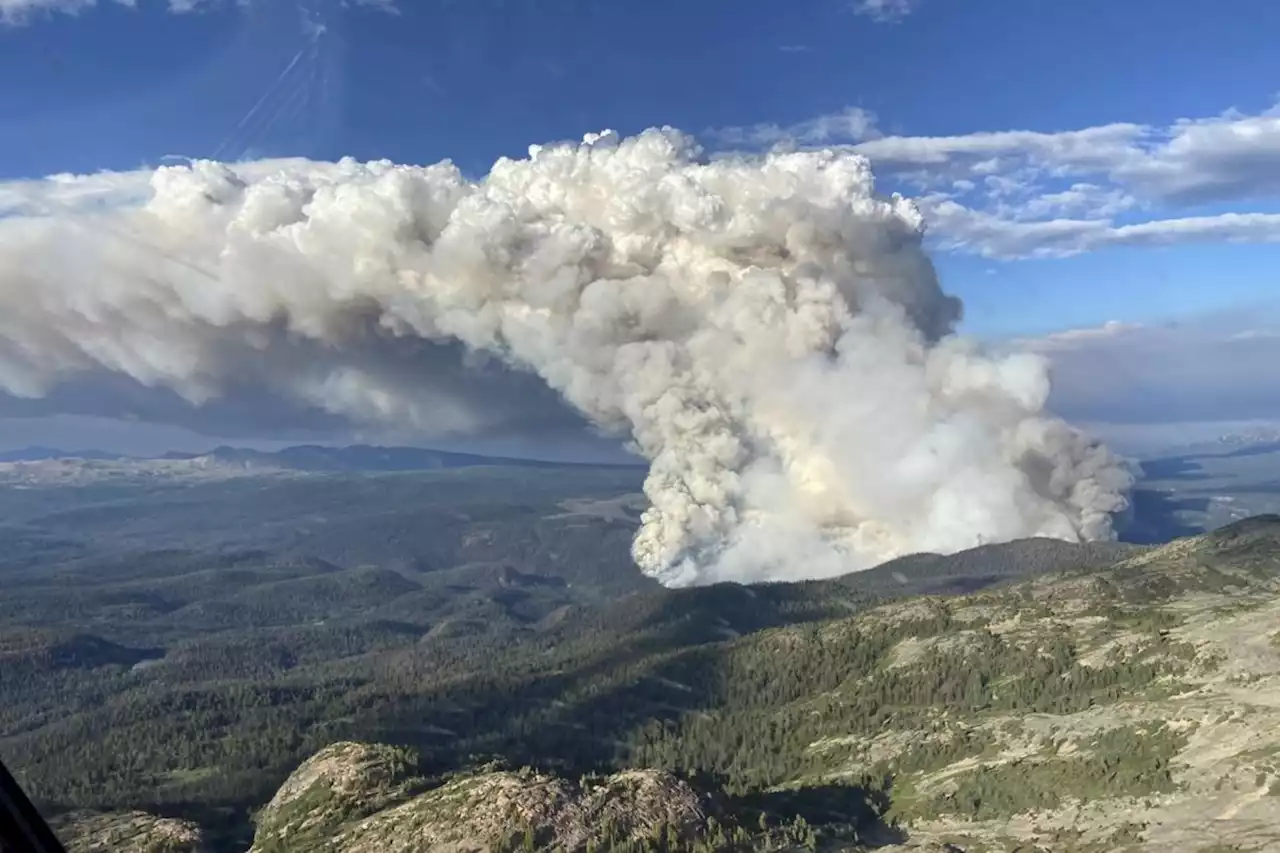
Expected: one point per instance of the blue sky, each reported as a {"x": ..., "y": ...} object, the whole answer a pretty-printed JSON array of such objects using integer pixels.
[{"x": 1144, "y": 184}]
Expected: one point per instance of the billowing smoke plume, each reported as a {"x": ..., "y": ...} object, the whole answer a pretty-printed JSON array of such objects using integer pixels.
[{"x": 766, "y": 331}]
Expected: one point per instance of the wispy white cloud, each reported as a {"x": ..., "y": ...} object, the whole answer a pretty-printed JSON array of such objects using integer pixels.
[
  {"x": 885, "y": 11},
  {"x": 1078, "y": 199},
  {"x": 956, "y": 227},
  {"x": 1068, "y": 339},
  {"x": 1228, "y": 157},
  {"x": 20, "y": 12},
  {"x": 1086, "y": 150},
  {"x": 1025, "y": 193},
  {"x": 849, "y": 124}
]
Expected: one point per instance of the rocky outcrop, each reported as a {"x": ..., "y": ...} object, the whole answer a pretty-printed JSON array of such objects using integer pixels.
[
  {"x": 342, "y": 783},
  {"x": 128, "y": 832},
  {"x": 359, "y": 798}
]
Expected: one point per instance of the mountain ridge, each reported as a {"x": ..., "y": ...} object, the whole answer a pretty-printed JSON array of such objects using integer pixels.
[{"x": 308, "y": 457}]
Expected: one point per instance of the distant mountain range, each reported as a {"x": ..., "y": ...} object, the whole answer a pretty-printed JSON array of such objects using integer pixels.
[
  {"x": 39, "y": 454},
  {"x": 1253, "y": 439},
  {"x": 363, "y": 457},
  {"x": 303, "y": 458}
]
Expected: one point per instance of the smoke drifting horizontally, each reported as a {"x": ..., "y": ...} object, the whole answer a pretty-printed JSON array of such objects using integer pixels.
[{"x": 766, "y": 331}]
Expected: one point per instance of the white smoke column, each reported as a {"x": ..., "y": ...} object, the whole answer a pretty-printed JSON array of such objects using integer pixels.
[{"x": 767, "y": 332}]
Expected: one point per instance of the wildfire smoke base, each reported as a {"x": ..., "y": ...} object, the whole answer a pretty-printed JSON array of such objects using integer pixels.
[{"x": 766, "y": 331}]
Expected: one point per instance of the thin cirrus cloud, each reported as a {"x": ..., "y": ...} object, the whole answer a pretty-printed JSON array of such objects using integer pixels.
[
  {"x": 1227, "y": 157},
  {"x": 20, "y": 12},
  {"x": 1021, "y": 193},
  {"x": 851, "y": 123},
  {"x": 885, "y": 11},
  {"x": 958, "y": 228}
]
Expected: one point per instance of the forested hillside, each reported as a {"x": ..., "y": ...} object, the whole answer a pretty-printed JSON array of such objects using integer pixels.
[{"x": 167, "y": 694}]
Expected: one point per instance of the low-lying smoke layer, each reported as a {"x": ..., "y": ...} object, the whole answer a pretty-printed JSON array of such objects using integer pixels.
[{"x": 766, "y": 331}]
